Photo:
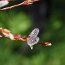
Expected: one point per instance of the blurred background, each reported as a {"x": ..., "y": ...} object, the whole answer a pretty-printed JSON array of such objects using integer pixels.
[{"x": 48, "y": 16}]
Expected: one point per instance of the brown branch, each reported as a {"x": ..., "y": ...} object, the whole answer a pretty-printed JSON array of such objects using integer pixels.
[
  {"x": 8, "y": 34},
  {"x": 26, "y": 2}
]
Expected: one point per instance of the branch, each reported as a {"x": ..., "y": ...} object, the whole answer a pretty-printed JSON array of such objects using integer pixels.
[
  {"x": 8, "y": 34},
  {"x": 26, "y": 2},
  {"x": 30, "y": 40}
]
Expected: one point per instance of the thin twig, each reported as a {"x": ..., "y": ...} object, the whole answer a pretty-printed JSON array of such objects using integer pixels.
[
  {"x": 26, "y": 2},
  {"x": 8, "y": 34}
]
